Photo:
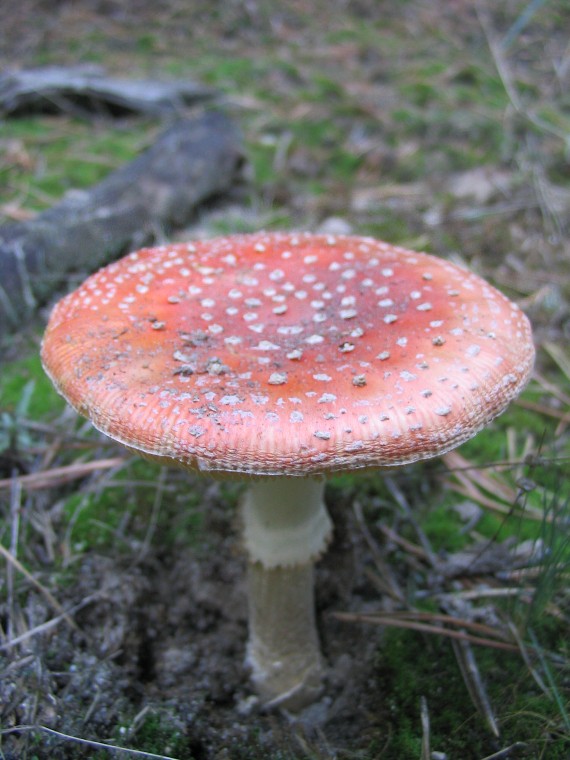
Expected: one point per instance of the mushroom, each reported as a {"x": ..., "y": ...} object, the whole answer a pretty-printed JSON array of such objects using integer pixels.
[{"x": 281, "y": 358}]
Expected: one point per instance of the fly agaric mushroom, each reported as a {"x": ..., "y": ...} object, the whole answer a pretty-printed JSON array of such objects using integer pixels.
[{"x": 282, "y": 358}]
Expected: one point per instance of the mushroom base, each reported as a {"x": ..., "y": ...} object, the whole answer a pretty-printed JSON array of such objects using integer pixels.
[{"x": 283, "y": 650}]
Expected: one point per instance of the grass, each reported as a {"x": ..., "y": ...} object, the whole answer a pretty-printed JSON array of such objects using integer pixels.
[
  {"x": 332, "y": 105},
  {"x": 42, "y": 158}
]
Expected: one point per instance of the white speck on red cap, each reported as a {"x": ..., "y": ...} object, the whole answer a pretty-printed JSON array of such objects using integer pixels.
[{"x": 208, "y": 355}]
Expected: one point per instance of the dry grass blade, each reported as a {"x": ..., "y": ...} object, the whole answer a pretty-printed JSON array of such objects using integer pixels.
[
  {"x": 424, "y": 715},
  {"x": 15, "y": 504},
  {"x": 398, "y": 621},
  {"x": 59, "y": 475},
  {"x": 508, "y": 82},
  {"x": 551, "y": 388},
  {"x": 153, "y": 521},
  {"x": 312, "y": 742},
  {"x": 12, "y": 561},
  {"x": 436, "y": 617},
  {"x": 543, "y": 409},
  {"x": 386, "y": 580},
  {"x": 482, "y": 593},
  {"x": 402, "y": 502},
  {"x": 48, "y": 625},
  {"x": 459, "y": 464},
  {"x": 470, "y": 479},
  {"x": 524, "y": 654},
  {"x": 558, "y": 355},
  {"x": 506, "y": 752},
  {"x": 474, "y": 683},
  {"x": 470, "y": 491},
  {"x": 86, "y": 742},
  {"x": 554, "y": 692}
]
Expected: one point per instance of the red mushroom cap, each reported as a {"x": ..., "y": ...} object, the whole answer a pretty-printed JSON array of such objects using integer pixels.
[{"x": 275, "y": 354}]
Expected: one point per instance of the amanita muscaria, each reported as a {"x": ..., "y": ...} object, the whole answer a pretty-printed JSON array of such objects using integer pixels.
[{"x": 280, "y": 358}]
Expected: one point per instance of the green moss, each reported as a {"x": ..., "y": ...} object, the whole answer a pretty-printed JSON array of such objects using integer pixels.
[
  {"x": 326, "y": 88},
  {"x": 228, "y": 73},
  {"x": 44, "y": 402},
  {"x": 316, "y": 133},
  {"x": 121, "y": 510},
  {"x": 146, "y": 43},
  {"x": 442, "y": 527},
  {"x": 419, "y": 93},
  {"x": 388, "y": 226},
  {"x": 157, "y": 733},
  {"x": 411, "y": 665},
  {"x": 262, "y": 161}
]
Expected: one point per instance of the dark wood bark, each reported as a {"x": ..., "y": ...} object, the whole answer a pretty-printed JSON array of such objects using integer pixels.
[{"x": 193, "y": 160}]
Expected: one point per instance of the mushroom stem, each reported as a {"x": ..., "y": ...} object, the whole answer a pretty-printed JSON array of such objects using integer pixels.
[
  {"x": 286, "y": 528},
  {"x": 283, "y": 650}
]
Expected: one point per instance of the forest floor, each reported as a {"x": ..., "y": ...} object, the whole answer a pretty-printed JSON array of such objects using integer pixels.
[{"x": 439, "y": 125}]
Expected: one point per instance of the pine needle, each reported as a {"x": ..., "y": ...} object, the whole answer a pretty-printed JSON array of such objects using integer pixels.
[{"x": 397, "y": 621}]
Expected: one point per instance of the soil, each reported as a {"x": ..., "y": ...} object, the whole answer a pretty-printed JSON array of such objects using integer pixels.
[
  {"x": 165, "y": 636},
  {"x": 153, "y": 656}
]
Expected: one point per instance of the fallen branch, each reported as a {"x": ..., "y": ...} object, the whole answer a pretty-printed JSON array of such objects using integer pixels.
[
  {"x": 192, "y": 161},
  {"x": 81, "y": 90}
]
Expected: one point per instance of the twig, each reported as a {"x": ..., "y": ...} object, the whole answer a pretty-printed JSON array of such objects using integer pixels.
[
  {"x": 408, "y": 546},
  {"x": 58, "y": 475}
]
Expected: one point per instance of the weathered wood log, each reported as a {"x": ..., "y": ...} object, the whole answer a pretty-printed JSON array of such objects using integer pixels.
[
  {"x": 82, "y": 90},
  {"x": 190, "y": 162}
]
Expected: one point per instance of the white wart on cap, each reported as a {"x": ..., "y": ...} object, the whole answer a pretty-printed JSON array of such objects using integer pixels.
[{"x": 284, "y": 354}]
